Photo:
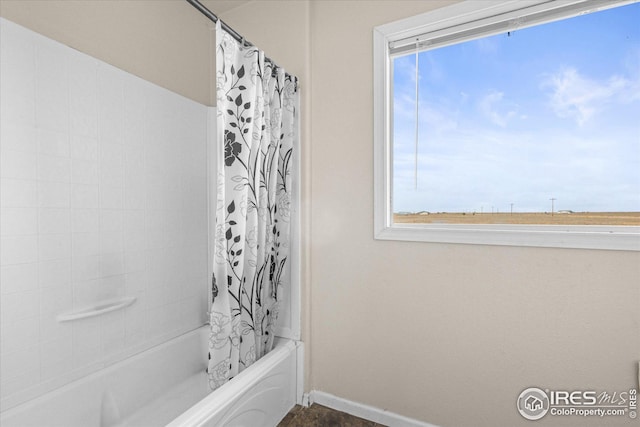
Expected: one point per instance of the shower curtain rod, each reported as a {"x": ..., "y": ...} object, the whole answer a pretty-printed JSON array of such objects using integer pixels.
[{"x": 212, "y": 16}]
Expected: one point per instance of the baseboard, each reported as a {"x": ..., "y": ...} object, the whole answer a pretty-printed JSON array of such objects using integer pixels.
[{"x": 367, "y": 412}]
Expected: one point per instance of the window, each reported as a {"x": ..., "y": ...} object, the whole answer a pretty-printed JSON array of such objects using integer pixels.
[{"x": 510, "y": 123}]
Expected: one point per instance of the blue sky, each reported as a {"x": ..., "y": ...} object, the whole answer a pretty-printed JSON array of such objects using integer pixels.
[{"x": 551, "y": 111}]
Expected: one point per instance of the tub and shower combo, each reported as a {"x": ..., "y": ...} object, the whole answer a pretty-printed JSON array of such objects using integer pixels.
[
  {"x": 108, "y": 205},
  {"x": 167, "y": 385}
]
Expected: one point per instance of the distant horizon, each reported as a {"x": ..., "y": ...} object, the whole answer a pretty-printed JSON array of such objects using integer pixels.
[
  {"x": 544, "y": 112},
  {"x": 514, "y": 212},
  {"x": 562, "y": 217}
]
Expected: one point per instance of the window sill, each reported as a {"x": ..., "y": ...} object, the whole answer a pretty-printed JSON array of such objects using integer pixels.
[{"x": 576, "y": 237}]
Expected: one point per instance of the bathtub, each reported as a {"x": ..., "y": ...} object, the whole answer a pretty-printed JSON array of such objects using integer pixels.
[{"x": 167, "y": 385}]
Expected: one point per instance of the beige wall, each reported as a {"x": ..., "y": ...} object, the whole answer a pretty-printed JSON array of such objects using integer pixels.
[
  {"x": 162, "y": 41},
  {"x": 448, "y": 334}
]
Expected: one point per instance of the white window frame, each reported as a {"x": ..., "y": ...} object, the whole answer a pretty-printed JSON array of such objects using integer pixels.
[{"x": 466, "y": 18}]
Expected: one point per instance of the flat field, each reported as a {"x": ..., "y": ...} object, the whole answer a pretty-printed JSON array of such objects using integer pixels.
[{"x": 541, "y": 218}]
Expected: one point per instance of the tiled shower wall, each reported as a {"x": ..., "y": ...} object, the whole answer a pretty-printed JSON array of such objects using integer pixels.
[{"x": 103, "y": 195}]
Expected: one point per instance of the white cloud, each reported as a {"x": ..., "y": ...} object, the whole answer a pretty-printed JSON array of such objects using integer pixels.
[
  {"x": 580, "y": 98},
  {"x": 438, "y": 119},
  {"x": 486, "y": 45},
  {"x": 405, "y": 68},
  {"x": 490, "y": 105}
]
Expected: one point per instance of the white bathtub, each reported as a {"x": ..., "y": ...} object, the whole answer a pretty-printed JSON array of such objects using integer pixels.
[{"x": 167, "y": 385}]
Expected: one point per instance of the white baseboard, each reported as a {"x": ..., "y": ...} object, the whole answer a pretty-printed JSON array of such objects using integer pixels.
[{"x": 367, "y": 412}]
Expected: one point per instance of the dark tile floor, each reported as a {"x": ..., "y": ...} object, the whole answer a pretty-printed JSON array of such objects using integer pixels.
[{"x": 321, "y": 416}]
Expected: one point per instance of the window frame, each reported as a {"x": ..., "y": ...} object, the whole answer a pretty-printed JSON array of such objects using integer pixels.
[{"x": 464, "y": 18}]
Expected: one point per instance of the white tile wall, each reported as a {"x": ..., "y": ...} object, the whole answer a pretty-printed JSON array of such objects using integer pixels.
[{"x": 103, "y": 188}]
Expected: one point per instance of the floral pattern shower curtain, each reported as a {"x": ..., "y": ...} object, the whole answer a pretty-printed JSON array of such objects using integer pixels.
[{"x": 257, "y": 122}]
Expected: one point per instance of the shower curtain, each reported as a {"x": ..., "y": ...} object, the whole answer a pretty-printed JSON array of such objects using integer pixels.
[{"x": 257, "y": 133}]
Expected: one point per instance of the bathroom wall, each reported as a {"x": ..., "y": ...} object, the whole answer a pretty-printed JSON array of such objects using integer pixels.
[
  {"x": 447, "y": 334},
  {"x": 165, "y": 42},
  {"x": 103, "y": 195}
]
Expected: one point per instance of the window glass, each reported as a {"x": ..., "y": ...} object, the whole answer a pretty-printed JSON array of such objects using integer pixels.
[{"x": 540, "y": 125}]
